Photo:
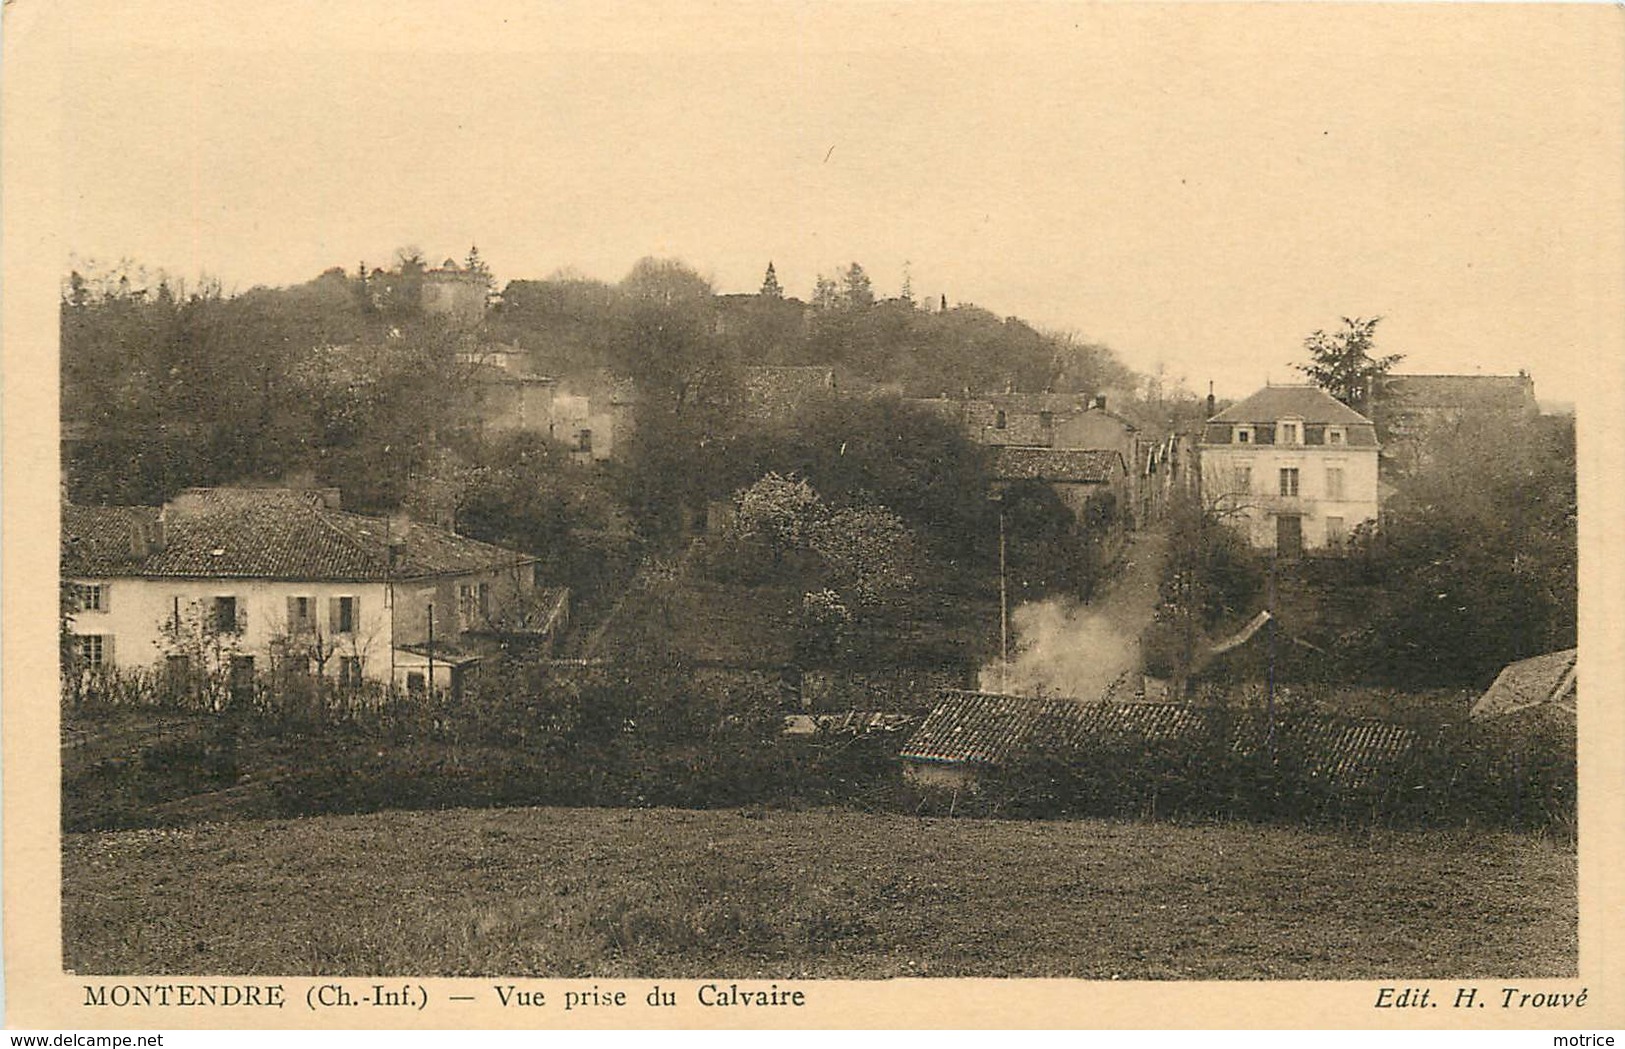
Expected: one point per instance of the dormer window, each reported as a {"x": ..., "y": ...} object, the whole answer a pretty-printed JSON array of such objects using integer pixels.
[
  {"x": 1335, "y": 435},
  {"x": 1244, "y": 435},
  {"x": 1289, "y": 432}
]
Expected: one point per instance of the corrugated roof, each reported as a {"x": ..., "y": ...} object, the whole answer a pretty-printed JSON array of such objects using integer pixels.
[
  {"x": 267, "y": 534},
  {"x": 1086, "y": 465},
  {"x": 980, "y": 728},
  {"x": 1309, "y": 403},
  {"x": 1550, "y": 678}
]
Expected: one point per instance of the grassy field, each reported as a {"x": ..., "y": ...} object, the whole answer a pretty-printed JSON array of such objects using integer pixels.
[{"x": 561, "y": 892}]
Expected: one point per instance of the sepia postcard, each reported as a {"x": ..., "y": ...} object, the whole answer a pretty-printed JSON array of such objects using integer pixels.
[{"x": 824, "y": 515}]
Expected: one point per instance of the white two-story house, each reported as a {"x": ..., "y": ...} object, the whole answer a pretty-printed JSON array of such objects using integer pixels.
[
  {"x": 239, "y": 581},
  {"x": 1292, "y": 467}
]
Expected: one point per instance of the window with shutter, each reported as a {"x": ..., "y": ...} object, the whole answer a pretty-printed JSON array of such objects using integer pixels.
[
  {"x": 92, "y": 649},
  {"x": 228, "y": 615},
  {"x": 301, "y": 615},
  {"x": 342, "y": 614},
  {"x": 90, "y": 597}
]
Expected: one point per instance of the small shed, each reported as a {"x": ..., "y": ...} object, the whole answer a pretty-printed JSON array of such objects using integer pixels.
[{"x": 967, "y": 733}]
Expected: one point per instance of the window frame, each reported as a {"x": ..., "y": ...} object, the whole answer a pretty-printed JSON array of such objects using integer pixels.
[
  {"x": 305, "y": 621},
  {"x": 90, "y": 650},
  {"x": 221, "y": 624},
  {"x": 344, "y": 622},
  {"x": 1291, "y": 482},
  {"x": 90, "y": 597}
]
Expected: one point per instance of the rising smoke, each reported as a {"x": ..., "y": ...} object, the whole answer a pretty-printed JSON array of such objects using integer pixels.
[{"x": 1059, "y": 647}]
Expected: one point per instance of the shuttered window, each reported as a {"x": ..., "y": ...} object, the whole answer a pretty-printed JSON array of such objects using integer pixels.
[
  {"x": 301, "y": 615},
  {"x": 94, "y": 650},
  {"x": 343, "y": 613},
  {"x": 228, "y": 615}
]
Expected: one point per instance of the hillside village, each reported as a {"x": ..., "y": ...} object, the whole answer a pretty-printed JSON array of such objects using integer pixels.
[{"x": 712, "y": 524}]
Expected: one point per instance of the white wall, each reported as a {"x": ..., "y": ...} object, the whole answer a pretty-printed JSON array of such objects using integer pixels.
[
  {"x": 138, "y": 609},
  {"x": 1255, "y": 509}
]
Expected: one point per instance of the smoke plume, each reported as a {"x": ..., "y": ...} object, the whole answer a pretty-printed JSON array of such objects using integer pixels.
[{"x": 1059, "y": 647}]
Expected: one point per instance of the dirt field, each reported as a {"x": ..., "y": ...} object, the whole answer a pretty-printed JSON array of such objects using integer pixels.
[{"x": 560, "y": 892}]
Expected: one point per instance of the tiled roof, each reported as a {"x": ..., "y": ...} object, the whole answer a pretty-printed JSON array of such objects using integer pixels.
[
  {"x": 979, "y": 728},
  {"x": 1058, "y": 403},
  {"x": 267, "y": 534},
  {"x": 102, "y": 541},
  {"x": 773, "y": 390},
  {"x": 1087, "y": 465},
  {"x": 1495, "y": 393},
  {"x": 1529, "y": 683},
  {"x": 1309, "y": 403}
]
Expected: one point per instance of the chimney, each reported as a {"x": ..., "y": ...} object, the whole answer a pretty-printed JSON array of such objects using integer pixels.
[
  {"x": 1210, "y": 401},
  {"x": 396, "y": 528},
  {"x": 146, "y": 535}
]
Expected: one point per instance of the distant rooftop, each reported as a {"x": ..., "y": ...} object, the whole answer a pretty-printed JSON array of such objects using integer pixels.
[
  {"x": 264, "y": 533},
  {"x": 1309, "y": 403},
  {"x": 1496, "y": 393},
  {"x": 985, "y": 729},
  {"x": 1078, "y": 465}
]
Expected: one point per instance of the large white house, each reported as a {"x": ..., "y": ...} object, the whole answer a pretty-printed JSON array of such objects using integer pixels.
[
  {"x": 1292, "y": 467},
  {"x": 259, "y": 579}
]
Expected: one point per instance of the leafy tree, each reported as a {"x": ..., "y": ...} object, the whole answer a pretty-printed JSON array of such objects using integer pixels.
[
  {"x": 868, "y": 551},
  {"x": 666, "y": 282},
  {"x": 665, "y": 340},
  {"x": 883, "y": 451},
  {"x": 1476, "y": 562},
  {"x": 564, "y": 321},
  {"x": 826, "y": 293},
  {"x": 856, "y": 291},
  {"x": 1211, "y": 580},
  {"x": 1047, "y": 550},
  {"x": 1342, "y": 364},
  {"x": 779, "y": 513}
]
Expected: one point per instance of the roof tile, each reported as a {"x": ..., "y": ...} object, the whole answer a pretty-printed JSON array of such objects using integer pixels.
[
  {"x": 985, "y": 729},
  {"x": 1088, "y": 465},
  {"x": 266, "y": 534}
]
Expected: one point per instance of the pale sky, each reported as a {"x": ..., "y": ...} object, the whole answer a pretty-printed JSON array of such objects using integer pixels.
[{"x": 1199, "y": 187}]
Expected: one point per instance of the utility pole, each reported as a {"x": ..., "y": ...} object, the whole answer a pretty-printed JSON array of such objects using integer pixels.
[
  {"x": 1004, "y": 611},
  {"x": 430, "y": 690}
]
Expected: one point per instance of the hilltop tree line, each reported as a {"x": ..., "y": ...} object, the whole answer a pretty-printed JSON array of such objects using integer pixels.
[{"x": 345, "y": 381}]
